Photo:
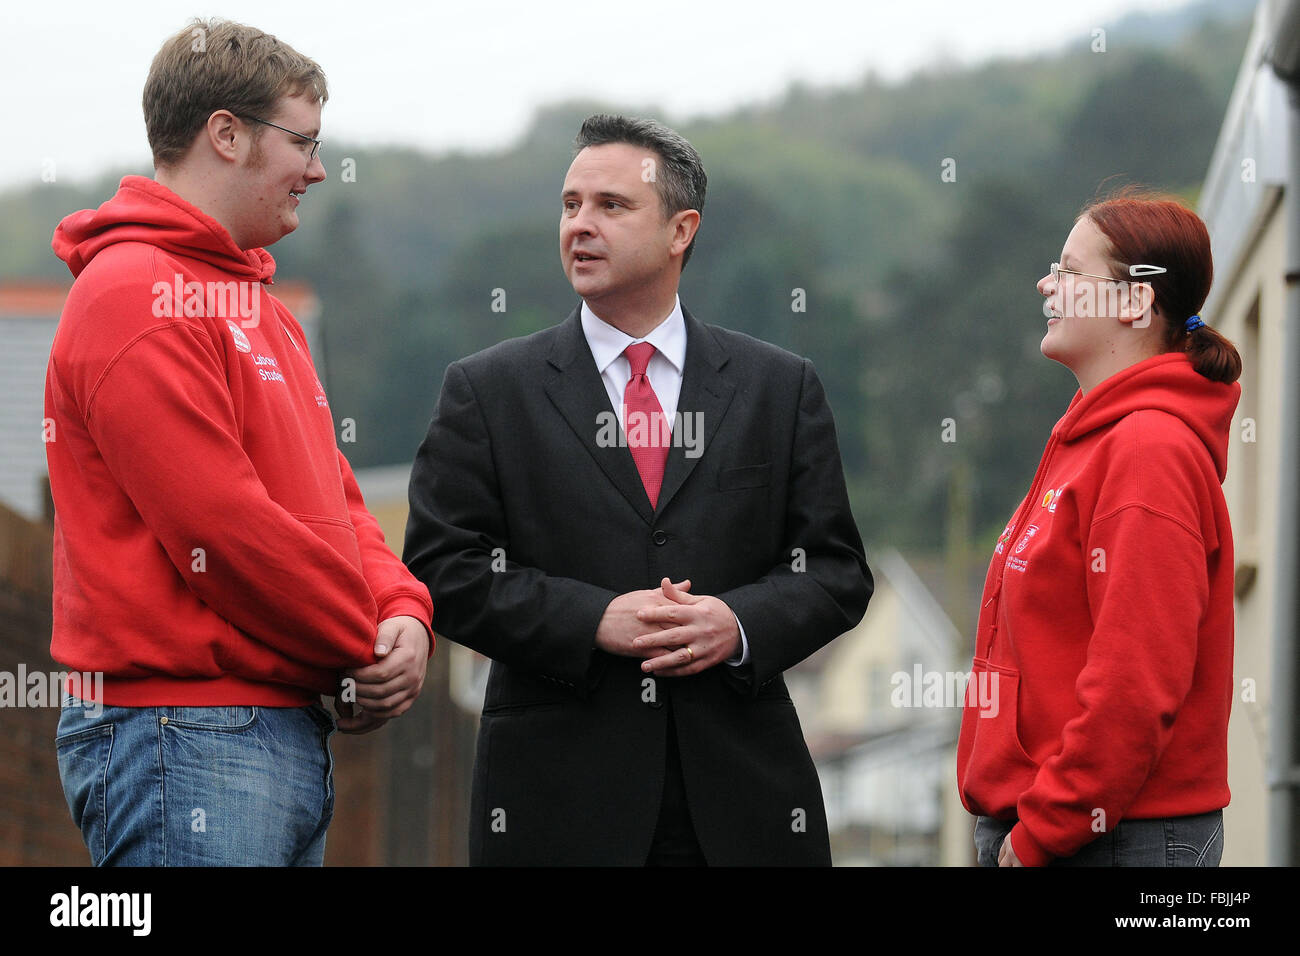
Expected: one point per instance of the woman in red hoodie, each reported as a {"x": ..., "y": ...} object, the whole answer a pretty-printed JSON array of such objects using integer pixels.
[{"x": 1096, "y": 721}]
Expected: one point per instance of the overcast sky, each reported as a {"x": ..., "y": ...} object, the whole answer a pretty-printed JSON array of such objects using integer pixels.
[{"x": 469, "y": 74}]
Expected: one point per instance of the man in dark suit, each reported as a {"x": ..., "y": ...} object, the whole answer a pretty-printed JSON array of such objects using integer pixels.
[{"x": 568, "y": 479}]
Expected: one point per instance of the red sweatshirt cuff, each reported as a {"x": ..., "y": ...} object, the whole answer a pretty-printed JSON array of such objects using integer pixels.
[{"x": 1028, "y": 850}]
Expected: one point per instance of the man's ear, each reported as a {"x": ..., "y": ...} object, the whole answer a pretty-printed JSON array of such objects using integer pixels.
[
  {"x": 685, "y": 225},
  {"x": 223, "y": 134},
  {"x": 1139, "y": 305}
]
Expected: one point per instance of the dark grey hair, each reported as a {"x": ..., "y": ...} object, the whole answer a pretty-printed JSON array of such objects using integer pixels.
[{"x": 680, "y": 180}]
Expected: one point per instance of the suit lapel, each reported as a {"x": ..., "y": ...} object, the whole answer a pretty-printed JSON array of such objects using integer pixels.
[
  {"x": 705, "y": 395},
  {"x": 576, "y": 390}
]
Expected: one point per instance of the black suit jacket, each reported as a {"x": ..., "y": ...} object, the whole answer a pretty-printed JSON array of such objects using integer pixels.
[{"x": 524, "y": 528}]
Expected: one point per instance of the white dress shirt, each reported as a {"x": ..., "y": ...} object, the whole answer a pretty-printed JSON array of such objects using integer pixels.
[{"x": 664, "y": 372}]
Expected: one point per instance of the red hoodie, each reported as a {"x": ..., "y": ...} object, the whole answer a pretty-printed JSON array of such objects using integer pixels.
[
  {"x": 211, "y": 546},
  {"x": 1102, "y": 677}
]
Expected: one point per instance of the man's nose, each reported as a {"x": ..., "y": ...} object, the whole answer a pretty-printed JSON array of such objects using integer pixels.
[
  {"x": 580, "y": 223},
  {"x": 316, "y": 170}
]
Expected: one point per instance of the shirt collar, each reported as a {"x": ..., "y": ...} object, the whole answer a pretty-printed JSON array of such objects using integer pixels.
[{"x": 607, "y": 343}]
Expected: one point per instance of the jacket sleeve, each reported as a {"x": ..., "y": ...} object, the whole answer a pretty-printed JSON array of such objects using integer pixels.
[
  {"x": 394, "y": 588},
  {"x": 802, "y": 604},
  {"x": 160, "y": 415},
  {"x": 1146, "y": 606},
  {"x": 457, "y": 544}
]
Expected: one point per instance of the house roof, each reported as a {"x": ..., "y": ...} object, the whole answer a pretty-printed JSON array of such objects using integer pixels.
[{"x": 43, "y": 298}]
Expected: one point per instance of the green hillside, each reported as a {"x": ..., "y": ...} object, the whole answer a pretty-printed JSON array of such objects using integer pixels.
[{"x": 920, "y": 292}]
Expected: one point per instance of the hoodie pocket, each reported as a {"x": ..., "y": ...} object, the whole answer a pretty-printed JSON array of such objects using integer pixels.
[
  {"x": 992, "y": 766},
  {"x": 337, "y": 533}
]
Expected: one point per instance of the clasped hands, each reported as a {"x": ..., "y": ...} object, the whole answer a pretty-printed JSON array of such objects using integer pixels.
[
  {"x": 657, "y": 625},
  {"x": 1007, "y": 853},
  {"x": 388, "y": 687},
  {"x": 661, "y": 625}
]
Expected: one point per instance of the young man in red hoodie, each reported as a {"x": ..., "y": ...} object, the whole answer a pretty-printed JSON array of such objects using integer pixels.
[{"x": 213, "y": 557}]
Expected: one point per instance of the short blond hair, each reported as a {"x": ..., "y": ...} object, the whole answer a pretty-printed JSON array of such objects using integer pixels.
[{"x": 219, "y": 64}]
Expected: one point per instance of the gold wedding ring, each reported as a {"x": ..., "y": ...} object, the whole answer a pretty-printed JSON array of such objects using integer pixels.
[{"x": 690, "y": 653}]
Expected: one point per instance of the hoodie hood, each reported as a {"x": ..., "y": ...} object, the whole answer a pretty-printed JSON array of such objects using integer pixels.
[
  {"x": 1167, "y": 383},
  {"x": 147, "y": 211}
]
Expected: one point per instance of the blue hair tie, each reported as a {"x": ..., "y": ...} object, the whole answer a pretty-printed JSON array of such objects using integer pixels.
[{"x": 1194, "y": 323}]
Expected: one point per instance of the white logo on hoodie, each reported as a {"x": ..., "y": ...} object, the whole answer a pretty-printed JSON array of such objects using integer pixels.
[{"x": 241, "y": 340}]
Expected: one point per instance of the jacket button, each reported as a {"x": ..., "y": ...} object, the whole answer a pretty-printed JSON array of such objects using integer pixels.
[{"x": 660, "y": 537}]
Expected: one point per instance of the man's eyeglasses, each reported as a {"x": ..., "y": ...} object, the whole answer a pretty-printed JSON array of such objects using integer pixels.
[
  {"x": 315, "y": 143},
  {"x": 1134, "y": 271}
]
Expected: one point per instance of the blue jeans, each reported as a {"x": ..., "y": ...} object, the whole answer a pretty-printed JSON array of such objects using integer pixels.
[
  {"x": 1165, "y": 841},
  {"x": 198, "y": 786}
]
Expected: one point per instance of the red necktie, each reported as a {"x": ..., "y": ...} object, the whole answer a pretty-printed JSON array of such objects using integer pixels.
[{"x": 648, "y": 432}]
